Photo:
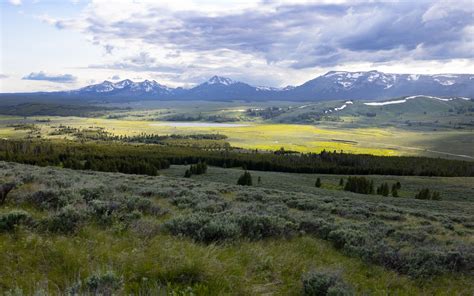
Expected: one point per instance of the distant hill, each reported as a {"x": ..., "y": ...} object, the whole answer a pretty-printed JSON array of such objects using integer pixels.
[{"x": 370, "y": 85}]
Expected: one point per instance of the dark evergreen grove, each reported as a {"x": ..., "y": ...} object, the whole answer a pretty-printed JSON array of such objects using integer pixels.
[
  {"x": 245, "y": 179},
  {"x": 359, "y": 185},
  {"x": 383, "y": 189},
  {"x": 196, "y": 169},
  {"x": 425, "y": 193},
  {"x": 148, "y": 158}
]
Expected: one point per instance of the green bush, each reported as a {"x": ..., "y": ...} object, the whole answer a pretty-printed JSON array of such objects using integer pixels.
[
  {"x": 316, "y": 226},
  {"x": 48, "y": 199},
  {"x": 89, "y": 194},
  {"x": 8, "y": 221},
  {"x": 318, "y": 283},
  {"x": 204, "y": 228},
  {"x": 103, "y": 283},
  {"x": 255, "y": 226},
  {"x": 66, "y": 221}
]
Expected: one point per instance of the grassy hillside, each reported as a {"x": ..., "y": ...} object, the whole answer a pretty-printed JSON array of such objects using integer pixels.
[
  {"x": 96, "y": 232},
  {"x": 451, "y": 189}
]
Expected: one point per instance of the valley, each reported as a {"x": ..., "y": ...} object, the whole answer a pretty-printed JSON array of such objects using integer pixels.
[
  {"x": 422, "y": 126},
  {"x": 142, "y": 197},
  {"x": 221, "y": 148}
]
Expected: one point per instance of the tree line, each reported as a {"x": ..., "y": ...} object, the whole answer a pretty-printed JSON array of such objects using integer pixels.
[{"x": 116, "y": 156}]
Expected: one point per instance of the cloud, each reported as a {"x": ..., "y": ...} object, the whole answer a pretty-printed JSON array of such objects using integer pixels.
[
  {"x": 115, "y": 77},
  {"x": 142, "y": 62},
  {"x": 3, "y": 76},
  {"x": 301, "y": 35},
  {"x": 61, "y": 78},
  {"x": 15, "y": 2},
  {"x": 108, "y": 48},
  {"x": 188, "y": 41}
]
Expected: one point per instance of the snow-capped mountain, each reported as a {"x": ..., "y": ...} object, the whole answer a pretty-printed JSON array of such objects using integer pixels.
[
  {"x": 221, "y": 88},
  {"x": 220, "y": 80},
  {"x": 370, "y": 85},
  {"x": 375, "y": 84},
  {"x": 125, "y": 87}
]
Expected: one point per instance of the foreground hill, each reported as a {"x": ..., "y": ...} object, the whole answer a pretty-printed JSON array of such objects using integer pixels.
[
  {"x": 64, "y": 231},
  {"x": 332, "y": 85}
]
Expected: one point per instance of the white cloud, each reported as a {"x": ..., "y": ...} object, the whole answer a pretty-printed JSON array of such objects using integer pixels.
[
  {"x": 15, "y": 2},
  {"x": 268, "y": 42}
]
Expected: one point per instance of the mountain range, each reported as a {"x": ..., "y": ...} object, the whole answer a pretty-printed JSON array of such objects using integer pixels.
[{"x": 369, "y": 85}]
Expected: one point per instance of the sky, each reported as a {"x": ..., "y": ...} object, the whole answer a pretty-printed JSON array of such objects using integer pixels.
[{"x": 49, "y": 45}]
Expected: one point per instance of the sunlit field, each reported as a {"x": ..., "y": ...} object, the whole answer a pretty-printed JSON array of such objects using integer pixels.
[{"x": 269, "y": 136}]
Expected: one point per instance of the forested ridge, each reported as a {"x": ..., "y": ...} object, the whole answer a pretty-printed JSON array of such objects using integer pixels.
[{"x": 147, "y": 159}]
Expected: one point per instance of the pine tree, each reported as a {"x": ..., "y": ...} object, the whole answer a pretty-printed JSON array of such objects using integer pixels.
[
  {"x": 318, "y": 183},
  {"x": 187, "y": 174},
  {"x": 341, "y": 182},
  {"x": 395, "y": 189},
  {"x": 394, "y": 192},
  {"x": 383, "y": 189},
  {"x": 399, "y": 185},
  {"x": 245, "y": 179},
  {"x": 423, "y": 194}
]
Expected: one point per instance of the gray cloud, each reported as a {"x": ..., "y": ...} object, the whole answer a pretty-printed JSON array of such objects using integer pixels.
[
  {"x": 3, "y": 76},
  {"x": 61, "y": 78},
  {"x": 305, "y": 35},
  {"x": 142, "y": 62}
]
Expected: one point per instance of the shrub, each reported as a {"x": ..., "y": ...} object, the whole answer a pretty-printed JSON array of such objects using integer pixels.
[
  {"x": 89, "y": 194},
  {"x": 204, "y": 228},
  {"x": 317, "y": 283},
  {"x": 66, "y": 221},
  {"x": 318, "y": 227},
  {"x": 48, "y": 199},
  {"x": 254, "y": 226},
  {"x": 346, "y": 238},
  {"x": 103, "y": 283},
  {"x": 9, "y": 220}
]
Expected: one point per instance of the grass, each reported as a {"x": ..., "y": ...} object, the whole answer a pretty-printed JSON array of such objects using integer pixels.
[
  {"x": 55, "y": 263},
  {"x": 297, "y": 137},
  {"x": 452, "y": 188},
  {"x": 145, "y": 257}
]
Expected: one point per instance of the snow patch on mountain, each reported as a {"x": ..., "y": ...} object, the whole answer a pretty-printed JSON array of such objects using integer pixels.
[
  {"x": 344, "y": 106},
  {"x": 221, "y": 80},
  {"x": 411, "y": 98}
]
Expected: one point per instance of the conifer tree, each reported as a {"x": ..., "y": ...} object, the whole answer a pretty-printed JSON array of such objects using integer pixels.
[
  {"x": 318, "y": 183},
  {"x": 245, "y": 179},
  {"x": 187, "y": 174}
]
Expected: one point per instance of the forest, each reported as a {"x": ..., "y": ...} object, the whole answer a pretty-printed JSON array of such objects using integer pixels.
[{"x": 116, "y": 156}]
